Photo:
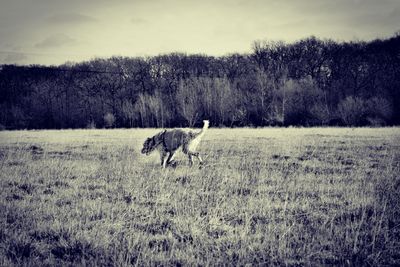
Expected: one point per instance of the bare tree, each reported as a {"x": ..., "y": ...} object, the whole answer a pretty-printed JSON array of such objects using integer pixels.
[
  {"x": 128, "y": 111},
  {"x": 188, "y": 98}
]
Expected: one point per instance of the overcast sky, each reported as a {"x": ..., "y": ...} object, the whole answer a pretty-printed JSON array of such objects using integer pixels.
[{"x": 56, "y": 31}]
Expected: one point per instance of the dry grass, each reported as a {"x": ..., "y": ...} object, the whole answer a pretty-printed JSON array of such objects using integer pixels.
[{"x": 265, "y": 196}]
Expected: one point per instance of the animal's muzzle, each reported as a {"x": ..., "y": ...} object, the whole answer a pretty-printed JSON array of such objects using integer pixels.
[{"x": 145, "y": 151}]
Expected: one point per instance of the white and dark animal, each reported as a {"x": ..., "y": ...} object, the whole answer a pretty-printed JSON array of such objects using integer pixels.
[{"x": 167, "y": 142}]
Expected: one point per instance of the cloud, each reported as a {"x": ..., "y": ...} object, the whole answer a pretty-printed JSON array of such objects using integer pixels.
[
  {"x": 393, "y": 17},
  {"x": 63, "y": 18},
  {"x": 12, "y": 57},
  {"x": 55, "y": 40},
  {"x": 137, "y": 27},
  {"x": 138, "y": 21}
]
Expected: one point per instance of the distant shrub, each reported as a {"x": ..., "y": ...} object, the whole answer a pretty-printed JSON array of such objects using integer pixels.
[
  {"x": 91, "y": 125},
  {"x": 19, "y": 118},
  {"x": 375, "y": 122},
  {"x": 352, "y": 111},
  {"x": 109, "y": 120},
  {"x": 304, "y": 103},
  {"x": 379, "y": 111},
  {"x": 320, "y": 114}
]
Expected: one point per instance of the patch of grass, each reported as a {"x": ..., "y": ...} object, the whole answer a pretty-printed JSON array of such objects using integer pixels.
[{"x": 318, "y": 196}]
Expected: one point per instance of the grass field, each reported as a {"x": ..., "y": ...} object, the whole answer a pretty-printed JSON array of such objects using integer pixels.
[{"x": 310, "y": 196}]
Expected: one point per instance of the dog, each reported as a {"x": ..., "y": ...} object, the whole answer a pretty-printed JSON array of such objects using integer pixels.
[{"x": 167, "y": 142}]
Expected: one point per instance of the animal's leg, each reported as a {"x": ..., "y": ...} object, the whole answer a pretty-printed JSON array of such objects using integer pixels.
[
  {"x": 163, "y": 154},
  {"x": 197, "y": 155},
  {"x": 165, "y": 163},
  {"x": 170, "y": 157},
  {"x": 190, "y": 159},
  {"x": 200, "y": 159}
]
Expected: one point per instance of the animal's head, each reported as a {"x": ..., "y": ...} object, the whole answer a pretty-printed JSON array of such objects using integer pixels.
[{"x": 152, "y": 142}]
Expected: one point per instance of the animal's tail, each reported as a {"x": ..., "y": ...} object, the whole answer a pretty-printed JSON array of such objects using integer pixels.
[
  {"x": 195, "y": 138},
  {"x": 205, "y": 127}
]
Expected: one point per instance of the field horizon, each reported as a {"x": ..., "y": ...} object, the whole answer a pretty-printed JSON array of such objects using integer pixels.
[{"x": 265, "y": 196}]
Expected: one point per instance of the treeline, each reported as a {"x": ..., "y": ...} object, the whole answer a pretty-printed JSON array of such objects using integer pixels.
[{"x": 309, "y": 82}]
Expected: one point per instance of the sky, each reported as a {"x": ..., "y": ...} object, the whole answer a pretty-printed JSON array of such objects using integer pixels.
[{"x": 52, "y": 32}]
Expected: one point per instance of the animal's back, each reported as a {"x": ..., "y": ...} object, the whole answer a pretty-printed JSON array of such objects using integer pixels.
[{"x": 173, "y": 139}]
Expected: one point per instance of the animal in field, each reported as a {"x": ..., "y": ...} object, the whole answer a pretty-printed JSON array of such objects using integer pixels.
[{"x": 167, "y": 142}]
